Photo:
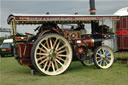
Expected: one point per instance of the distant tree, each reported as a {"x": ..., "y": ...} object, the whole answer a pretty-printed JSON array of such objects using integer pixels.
[
  {"x": 6, "y": 37},
  {"x": 1, "y": 39}
]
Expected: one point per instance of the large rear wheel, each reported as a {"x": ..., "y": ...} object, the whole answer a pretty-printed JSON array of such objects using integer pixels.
[
  {"x": 51, "y": 54},
  {"x": 103, "y": 57}
]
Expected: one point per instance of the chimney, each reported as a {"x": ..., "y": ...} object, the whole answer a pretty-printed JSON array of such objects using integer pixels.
[
  {"x": 92, "y": 7},
  {"x": 94, "y": 24}
]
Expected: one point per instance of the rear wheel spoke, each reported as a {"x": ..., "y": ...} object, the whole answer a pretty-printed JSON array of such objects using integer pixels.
[
  {"x": 47, "y": 43},
  {"x": 42, "y": 57},
  {"x": 45, "y": 54},
  {"x": 42, "y": 49},
  {"x": 59, "y": 62},
  {"x": 62, "y": 55},
  {"x": 44, "y": 46},
  {"x": 60, "y": 58},
  {"x": 56, "y": 64},
  {"x": 49, "y": 65},
  {"x": 43, "y": 61},
  {"x": 51, "y": 44},
  {"x": 57, "y": 45},
  {"x": 60, "y": 47},
  {"x": 53, "y": 67},
  {"x": 45, "y": 65},
  {"x": 61, "y": 51}
]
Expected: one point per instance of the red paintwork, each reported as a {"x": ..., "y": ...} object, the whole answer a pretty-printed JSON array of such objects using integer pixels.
[
  {"x": 54, "y": 29},
  {"x": 24, "y": 53},
  {"x": 20, "y": 39},
  {"x": 122, "y": 23},
  {"x": 89, "y": 41},
  {"x": 72, "y": 35},
  {"x": 28, "y": 33},
  {"x": 122, "y": 42},
  {"x": 80, "y": 50},
  {"x": 122, "y": 33}
]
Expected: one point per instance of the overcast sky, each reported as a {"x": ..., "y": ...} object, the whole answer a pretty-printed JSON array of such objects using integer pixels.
[{"x": 56, "y": 7}]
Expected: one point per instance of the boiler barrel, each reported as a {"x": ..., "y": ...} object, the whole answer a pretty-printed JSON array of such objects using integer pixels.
[{"x": 92, "y": 41}]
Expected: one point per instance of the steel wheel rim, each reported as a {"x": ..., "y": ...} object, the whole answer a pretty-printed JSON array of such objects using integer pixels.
[
  {"x": 53, "y": 54},
  {"x": 104, "y": 57}
]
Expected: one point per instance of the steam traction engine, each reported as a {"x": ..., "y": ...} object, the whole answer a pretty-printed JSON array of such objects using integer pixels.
[{"x": 53, "y": 48}]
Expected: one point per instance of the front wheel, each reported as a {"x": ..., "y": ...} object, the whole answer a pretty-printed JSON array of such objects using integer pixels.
[
  {"x": 51, "y": 54},
  {"x": 103, "y": 57}
]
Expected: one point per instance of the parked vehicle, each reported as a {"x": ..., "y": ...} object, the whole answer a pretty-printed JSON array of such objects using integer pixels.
[{"x": 6, "y": 48}]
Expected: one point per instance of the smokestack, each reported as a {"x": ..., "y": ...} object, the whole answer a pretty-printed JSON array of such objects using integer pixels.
[
  {"x": 92, "y": 7},
  {"x": 94, "y": 24}
]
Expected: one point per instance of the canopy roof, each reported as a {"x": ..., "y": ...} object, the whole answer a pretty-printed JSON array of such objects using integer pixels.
[
  {"x": 122, "y": 12},
  {"x": 56, "y": 18}
]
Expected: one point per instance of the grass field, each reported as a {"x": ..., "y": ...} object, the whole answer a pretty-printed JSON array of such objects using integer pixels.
[{"x": 11, "y": 73}]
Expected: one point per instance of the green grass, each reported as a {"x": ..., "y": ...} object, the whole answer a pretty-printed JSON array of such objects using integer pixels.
[
  {"x": 122, "y": 55},
  {"x": 11, "y": 73}
]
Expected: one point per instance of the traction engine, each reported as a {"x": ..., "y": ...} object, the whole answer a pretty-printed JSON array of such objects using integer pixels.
[{"x": 52, "y": 49}]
